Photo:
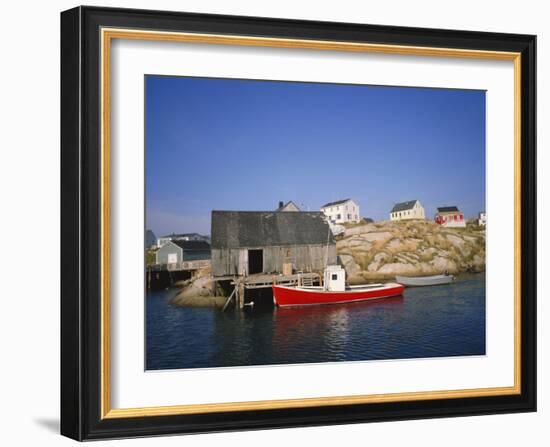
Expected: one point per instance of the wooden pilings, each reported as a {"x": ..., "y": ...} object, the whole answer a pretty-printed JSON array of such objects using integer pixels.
[
  {"x": 241, "y": 295},
  {"x": 229, "y": 299},
  {"x": 238, "y": 292}
]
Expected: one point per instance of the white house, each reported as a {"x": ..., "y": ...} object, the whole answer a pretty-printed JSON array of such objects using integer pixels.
[
  {"x": 482, "y": 219},
  {"x": 342, "y": 211},
  {"x": 163, "y": 240},
  {"x": 288, "y": 206},
  {"x": 412, "y": 209}
]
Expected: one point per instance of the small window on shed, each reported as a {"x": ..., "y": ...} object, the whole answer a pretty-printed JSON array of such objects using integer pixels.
[{"x": 334, "y": 276}]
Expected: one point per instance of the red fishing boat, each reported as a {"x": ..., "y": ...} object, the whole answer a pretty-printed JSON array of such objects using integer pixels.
[{"x": 334, "y": 291}]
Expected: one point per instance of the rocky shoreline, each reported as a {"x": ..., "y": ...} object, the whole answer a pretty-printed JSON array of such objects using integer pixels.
[
  {"x": 379, "y": 251},
  {"x": 198, "y": 292}
]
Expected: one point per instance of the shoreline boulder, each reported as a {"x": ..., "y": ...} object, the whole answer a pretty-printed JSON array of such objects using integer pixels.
[{"x": 380, "y": 251}]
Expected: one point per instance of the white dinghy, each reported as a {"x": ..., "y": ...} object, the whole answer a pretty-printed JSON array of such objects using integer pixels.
[{"x": 422, "y": 281}]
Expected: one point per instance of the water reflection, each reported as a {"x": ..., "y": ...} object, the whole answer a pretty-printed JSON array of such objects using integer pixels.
[{"x": 298, "y": 332}]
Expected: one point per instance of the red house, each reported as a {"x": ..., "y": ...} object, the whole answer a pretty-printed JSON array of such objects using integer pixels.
[{"x": 450, "y": 216}]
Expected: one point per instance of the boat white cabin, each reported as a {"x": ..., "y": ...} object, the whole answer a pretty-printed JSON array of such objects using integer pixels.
[{"x": 335, "y": 278}]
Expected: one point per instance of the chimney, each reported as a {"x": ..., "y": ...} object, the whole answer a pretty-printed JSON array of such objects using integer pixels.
[{"x": 281, "y": 203}]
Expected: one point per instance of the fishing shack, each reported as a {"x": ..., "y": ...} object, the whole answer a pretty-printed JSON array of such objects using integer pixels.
[
  {"x": 179, "y": 251},
  {"x": 270, "y": 242},
  {"x": 177, "y": 260}
]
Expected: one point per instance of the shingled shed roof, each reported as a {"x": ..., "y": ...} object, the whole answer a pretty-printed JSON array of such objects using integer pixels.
[
  {"x": 192, "y": 245},
  {"x": 235, "y": 229},
  {"x": 403, "y": 206}
]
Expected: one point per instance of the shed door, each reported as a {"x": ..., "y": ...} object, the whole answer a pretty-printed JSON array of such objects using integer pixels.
[{"x": 255, "y": 261}]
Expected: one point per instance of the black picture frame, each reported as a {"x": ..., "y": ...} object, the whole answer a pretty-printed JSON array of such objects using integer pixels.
[{"x": 81, "y": 223}]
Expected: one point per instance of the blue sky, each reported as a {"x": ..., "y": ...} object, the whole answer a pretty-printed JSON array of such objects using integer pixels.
[{"x": 245, "y": 145}]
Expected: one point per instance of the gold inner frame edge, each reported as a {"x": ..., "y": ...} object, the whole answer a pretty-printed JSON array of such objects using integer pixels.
[{"x": 107, "y": 35}]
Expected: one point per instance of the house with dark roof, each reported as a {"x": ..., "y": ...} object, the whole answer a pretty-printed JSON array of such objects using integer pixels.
[
  {"x": 412, "y": 209},
  {"x": 250, "y": 242},
  {"x": 342, "y": 211},
  {"x": 450, "y": 216},
  {"x": 178, "y": 251}
]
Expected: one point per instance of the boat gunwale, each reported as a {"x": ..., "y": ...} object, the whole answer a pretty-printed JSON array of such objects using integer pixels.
[
  {"x": 334, "y": 303},
  {"x": 344, "y": 292}
]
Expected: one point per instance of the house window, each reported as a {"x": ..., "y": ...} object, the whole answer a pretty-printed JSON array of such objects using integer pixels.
[
  {"x": 334, "y": 276},
  {"x": 349, "y": 216}
]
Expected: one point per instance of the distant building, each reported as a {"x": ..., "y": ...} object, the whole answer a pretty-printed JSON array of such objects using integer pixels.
[
  {"x": 288, "y": 206},
  {"x": 412, "y": 209},
  {"x": 150, "y": 239},
  {"x": 342, "y": 211},
  {"x": 482, "y": 219},
  {"x": 450, "y": 216},
  {"x": 249, "y": 242},
  {"x": 182, "y": 237},
  {"x": 177, "y": 251}
]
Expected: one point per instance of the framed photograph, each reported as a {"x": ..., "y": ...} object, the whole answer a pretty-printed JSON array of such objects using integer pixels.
[{"x": 277, "y": 223}]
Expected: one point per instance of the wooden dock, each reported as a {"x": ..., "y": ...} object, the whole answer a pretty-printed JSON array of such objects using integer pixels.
[
  {"x": 263, "y": 281},
  {"x": 160, "y": 276}
]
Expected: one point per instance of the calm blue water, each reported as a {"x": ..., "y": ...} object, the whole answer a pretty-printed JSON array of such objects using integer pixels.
[{"x": 426, "y": 322}]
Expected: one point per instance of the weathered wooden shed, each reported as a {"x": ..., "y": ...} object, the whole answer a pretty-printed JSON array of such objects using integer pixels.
[
  {"x": 248, "y": 242},
  {"x": 178, "y": 251}
]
